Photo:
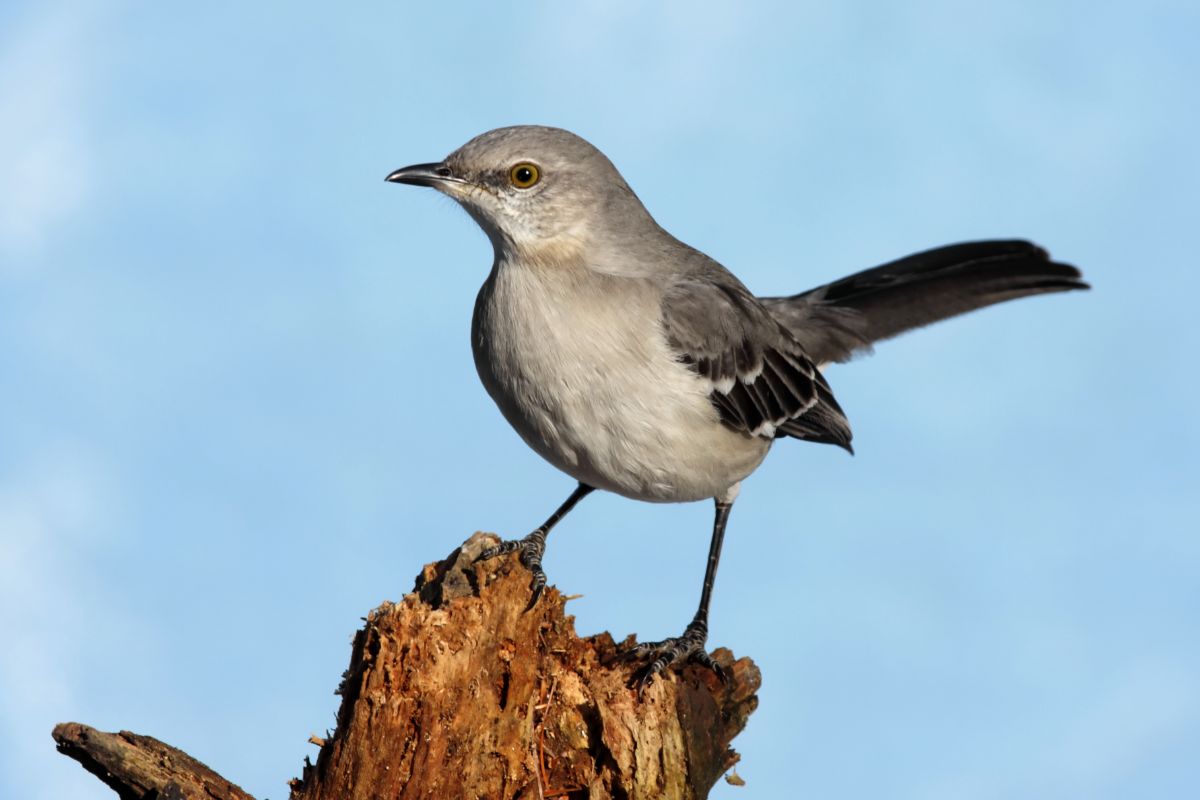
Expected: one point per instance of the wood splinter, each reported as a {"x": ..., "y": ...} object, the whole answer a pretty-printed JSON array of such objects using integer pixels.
[{"x": 458, "y": 691}]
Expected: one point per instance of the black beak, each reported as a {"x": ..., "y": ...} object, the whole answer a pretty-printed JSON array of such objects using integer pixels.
[{"x": 424, "y": 175}]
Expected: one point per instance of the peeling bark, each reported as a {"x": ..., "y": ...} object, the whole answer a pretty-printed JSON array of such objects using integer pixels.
[
  {"x": 140, "y": 767},
  {"x": 459, "y": 691}
]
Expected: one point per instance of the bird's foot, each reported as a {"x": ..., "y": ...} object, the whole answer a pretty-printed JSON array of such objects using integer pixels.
[
  {"x": 532, "y": 547},
  {"x": 687, "y": 648}
]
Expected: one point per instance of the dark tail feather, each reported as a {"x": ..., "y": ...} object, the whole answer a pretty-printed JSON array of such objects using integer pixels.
[{"x": 833, "y": 321}]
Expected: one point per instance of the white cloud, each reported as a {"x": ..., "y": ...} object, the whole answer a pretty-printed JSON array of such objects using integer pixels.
[
  {"x": 44, "y": 151},
  {"x": 51, "y": 510}
]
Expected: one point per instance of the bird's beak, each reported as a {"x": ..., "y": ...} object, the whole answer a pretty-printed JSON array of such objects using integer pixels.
[{"x": 434, "y": 175}]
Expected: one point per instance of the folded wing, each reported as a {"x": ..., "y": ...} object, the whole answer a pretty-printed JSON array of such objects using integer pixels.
[{"x": 761, "y": 381}]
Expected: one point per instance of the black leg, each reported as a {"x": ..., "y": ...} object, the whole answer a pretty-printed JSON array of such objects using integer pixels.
[
  {"x": 533, "y": 546},
  {"x": 690, "y": 645}
]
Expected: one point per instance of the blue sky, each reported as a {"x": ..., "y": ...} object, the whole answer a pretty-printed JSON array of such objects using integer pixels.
[{"x": 239, "y": 408}]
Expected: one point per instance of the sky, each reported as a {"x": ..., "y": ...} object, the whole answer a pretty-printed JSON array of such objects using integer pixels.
[{"x": 238, "y": 408}]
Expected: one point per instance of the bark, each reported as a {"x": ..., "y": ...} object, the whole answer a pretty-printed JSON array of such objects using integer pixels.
[
  {"x": 459, "y": 691},
  {"x": 138, "y": 767}
]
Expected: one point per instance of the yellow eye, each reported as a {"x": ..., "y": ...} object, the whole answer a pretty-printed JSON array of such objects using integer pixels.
[{"x": 524, "y": 175}]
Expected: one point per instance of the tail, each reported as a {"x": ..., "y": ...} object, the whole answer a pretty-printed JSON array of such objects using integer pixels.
[{"x": 834, "y": 321}]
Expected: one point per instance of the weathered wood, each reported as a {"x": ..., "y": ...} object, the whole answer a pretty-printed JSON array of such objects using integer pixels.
[
  {"x": 141, "y": 767},
  {"x": 459, "y": 690}
]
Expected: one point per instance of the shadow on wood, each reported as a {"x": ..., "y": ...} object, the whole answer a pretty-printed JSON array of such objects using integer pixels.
[{"x": 459, "y": 691}]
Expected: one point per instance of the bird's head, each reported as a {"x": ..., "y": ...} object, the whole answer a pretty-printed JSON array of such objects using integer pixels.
[{"x": 535, "y": 190}]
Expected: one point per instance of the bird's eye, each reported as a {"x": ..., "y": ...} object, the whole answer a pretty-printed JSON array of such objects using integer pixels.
[{"x": 524, "y": 175}]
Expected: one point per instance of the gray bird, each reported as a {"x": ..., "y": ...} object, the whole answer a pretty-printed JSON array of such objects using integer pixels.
[{"x": 637, "y": 364}]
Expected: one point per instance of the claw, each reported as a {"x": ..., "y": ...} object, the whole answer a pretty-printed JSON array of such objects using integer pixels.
[
  {"x": 532, "y": 547},
  {"x": 687, "y": 648},
  {"x": 498, "y": 550},
  {"x": 638, "y": 650},
  {"x": 537, "y": 584},
  {"x": 702, "y": 658}
]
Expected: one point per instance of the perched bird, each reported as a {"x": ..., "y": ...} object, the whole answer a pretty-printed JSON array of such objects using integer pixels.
[{"x": 637, "y": 364}]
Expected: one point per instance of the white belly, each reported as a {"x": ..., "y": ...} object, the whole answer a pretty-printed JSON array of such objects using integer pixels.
[{"x": 594, "y": 389}]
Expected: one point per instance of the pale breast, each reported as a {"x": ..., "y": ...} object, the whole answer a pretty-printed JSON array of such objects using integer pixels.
[{"x": 578, "y": 364}]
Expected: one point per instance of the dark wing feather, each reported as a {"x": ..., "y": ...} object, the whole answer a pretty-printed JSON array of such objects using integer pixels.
[
  {"x": 834, "y": 321},
  {"x": 761, "y": 381}
]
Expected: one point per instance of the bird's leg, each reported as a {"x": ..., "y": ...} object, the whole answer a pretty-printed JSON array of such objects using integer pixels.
[
  {"x": 689, "y": 645},
  {"x": 533, "y": 546}
]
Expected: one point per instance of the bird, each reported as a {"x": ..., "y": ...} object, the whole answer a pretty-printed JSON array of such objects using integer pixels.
[{"x": 638, "y": 365}]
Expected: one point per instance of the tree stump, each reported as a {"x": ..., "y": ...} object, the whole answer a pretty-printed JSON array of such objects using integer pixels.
[{"x": 460, "y": 691}]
